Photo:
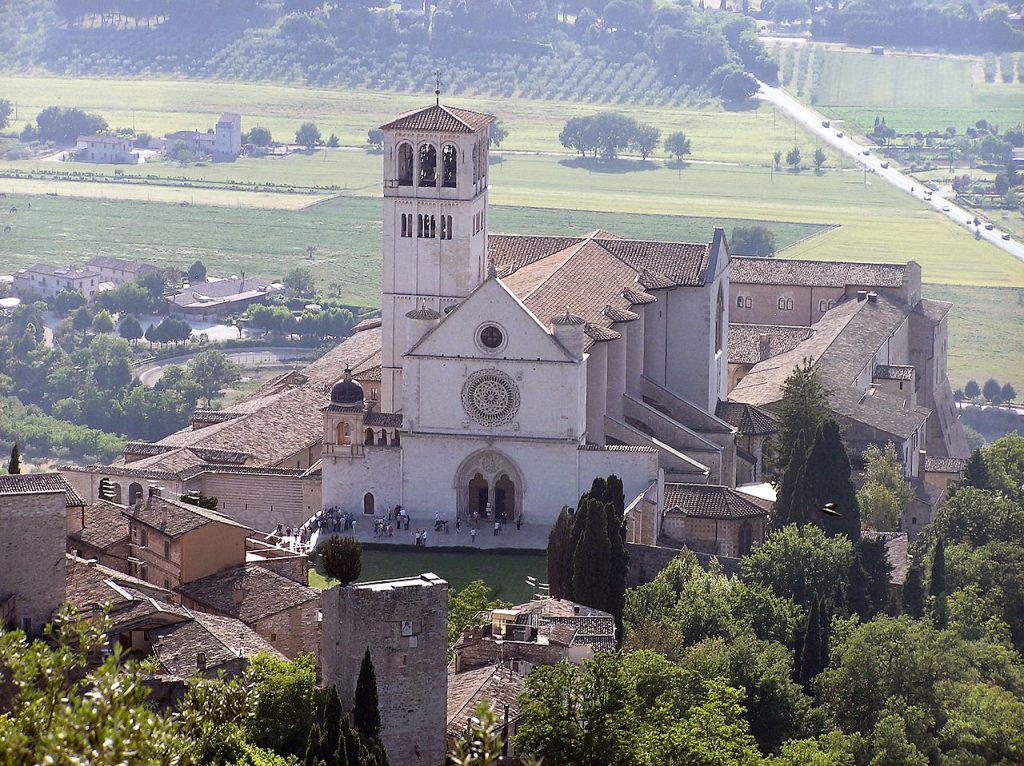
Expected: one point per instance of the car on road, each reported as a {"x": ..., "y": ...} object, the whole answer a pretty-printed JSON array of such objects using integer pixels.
[
  {"x": 1006, "y": 237},
  {"x": 945, "y": 208},
  {"x": 825, "y": 123},
  {"x": 885, "y": 165},
  {"x": 839, "y": 133},
  {"x": 989, "y": 227},
  {"x": 866, "y": 152}
]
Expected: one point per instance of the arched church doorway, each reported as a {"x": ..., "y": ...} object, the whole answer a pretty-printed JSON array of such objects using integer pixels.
[
  {"x": 368, "y": 508},
  {"x": 134, "y": 493},
  {"x": 478, "y": 492},
  {"x": 746, "y": 538},
  {"x": 504, "y": 498}
]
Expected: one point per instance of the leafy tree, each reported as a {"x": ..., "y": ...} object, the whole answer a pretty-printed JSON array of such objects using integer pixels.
[
  {"x": 619, "y": 561},
  {"x": 738, "y": 86},
  {"x": 677, "y": 145},
  {"x": 213, "y": 371},
  {"x": 796, "y": 563},
  {"x": 181, "y": 154},
  {"x": 102, "y": 323},
  {"x": 464, "y": 605},
  {"x": 333, "y": 142},
  {"x": 197, "y": 273},
  {"x": 497, "y": 132},
  {"x": 481, "y": 744},
  {"x": 885, "y": 493},
  {"x": 793, "y": 158},
  {"x": 867, "y": 591},
  {"x": 972, "y": 390},
  {"x": 14, "y": 464},
  {"x": 67, "y": 301},
  {"x": 791, "y": 502},
  {"x": 260, "y": 136},
  {"x": 130, "y": 329},
  {"x": 913, "y": 592},
  {"x": 752, "y": 240},
  {"x": 375, "y": 138},
  {"x": 819, "y": 159},
  {"x": 6, "y": 109},
  {"x": 153, "y": 283},
  {"x": 1008, "y": 393},
  {"x": 559, "y": 556},
  {"x": 976, "y": 472},
  {"x": 81, "y": 320},
  {"x": 937, "y": 580},
  {"x": 340, "y": 558},
  {"x": 1004, "y": 459},
  {"x": 991, "y": 389},
  {"x": 64, "y": 126},
  {"x": 828, "y": 481},
  {"x": 300, "y": 281},
  {"x": 645, "y": 140},
  {"x": 73, "y": 704},
  {"x": 308, "y": 135},
  {"x": 592, "y": 563},
  {"x": 812, "y": 653},
  {"x": 777, "y": 159}
]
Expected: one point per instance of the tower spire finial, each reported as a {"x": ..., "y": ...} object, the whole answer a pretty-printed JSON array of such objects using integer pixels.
[{"x": 437, "y": 87}]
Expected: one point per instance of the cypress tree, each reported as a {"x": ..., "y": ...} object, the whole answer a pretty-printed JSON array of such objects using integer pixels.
[
  {"x": 314, "y": 746},
  {"x": 825, "y": 631},
  {"x": 810, "y": 649},
  {"x": 615, "y": 494},
  {"x": 592, "y": 559},
  {"x": 560, "y": 556},
  {"x": 599, "y": 490},
  {"x": 365, "y": 706},
  {"x": 789, "y": 506},
  {"x": 913, "y": 592},
  {"x": 619, "y": 566},
  {"x": 14, "y": 464},
  {"x": 332, "y": 722},
  {"x": 937, "y": 583},
  {"x": 976, "y": 472},
  {"x": 858, "y": 601},
  {"x": 578, "y": 524},
  {"x": 828, "y": 481},
  {"x": 803, "y": 407}
]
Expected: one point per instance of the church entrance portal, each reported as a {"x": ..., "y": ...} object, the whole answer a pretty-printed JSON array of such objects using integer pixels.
[{"x": 490, "y": 488}]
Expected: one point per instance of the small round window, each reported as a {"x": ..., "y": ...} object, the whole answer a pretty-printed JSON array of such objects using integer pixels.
[{"x": 491, "y": 337}]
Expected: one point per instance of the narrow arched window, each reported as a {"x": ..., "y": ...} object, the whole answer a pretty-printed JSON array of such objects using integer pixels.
[
  {"x": 720, "y": 321},
  {"x": 428, "y": 165},
  {"x": 476, "y": 163},
  {"x": 405, "y": 165},
  {"x": 449, "y": 226},
  {"x": 419, "y": 226},
  {"x": 431, "y": 224},
  {"x": 449, "y": 165}
]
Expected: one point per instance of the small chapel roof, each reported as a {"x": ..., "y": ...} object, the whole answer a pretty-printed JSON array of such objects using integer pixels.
[{"x": 438, "y": 118}]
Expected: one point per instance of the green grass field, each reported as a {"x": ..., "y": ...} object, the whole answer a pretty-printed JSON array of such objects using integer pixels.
[
  {"x": 913, "y": 92},
  {"x": 504, "y": 572},
  {"x": 162, "y": 106}
]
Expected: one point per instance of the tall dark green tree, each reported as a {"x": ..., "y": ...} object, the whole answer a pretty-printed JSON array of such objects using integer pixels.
[
  {"x": 615, "y": 494},
  {"x": 867, "y": 592},
  {"x": 592, "y": 559},
  {"x": 619, "y": 565},
  {"x": 14, "y": 464},
  {"x": 804, "y": 406},
  {"x": 560, "y": 556},
  {"x": 365, "y": 707},
  {"x": 792, "y": 497},
  {"x": 937, "y": 581},
  {"x": 913, "y": 592},
  {"x": 976, "y": 473},
  {"x": 813, "y": 645},
  {"x": 828, "y": 481}
]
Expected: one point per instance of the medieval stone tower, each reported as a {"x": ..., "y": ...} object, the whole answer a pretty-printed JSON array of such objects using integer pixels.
[
  {"x": 435, "y": 222},
  {"x": 405, "y": 625}
]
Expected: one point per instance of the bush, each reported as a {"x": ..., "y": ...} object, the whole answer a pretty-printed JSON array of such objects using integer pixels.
[{"x": 339, "y": 558}]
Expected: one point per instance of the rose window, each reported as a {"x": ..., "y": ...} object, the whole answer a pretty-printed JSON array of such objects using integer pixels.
[{"x": 490, "y": 397}]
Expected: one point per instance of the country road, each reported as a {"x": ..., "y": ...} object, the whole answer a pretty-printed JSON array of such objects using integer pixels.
[
  {"x": 149, "y": 374},
  {"x": 812, "y": 121}
]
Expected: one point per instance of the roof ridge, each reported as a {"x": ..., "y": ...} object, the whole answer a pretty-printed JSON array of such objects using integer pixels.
[{"x": 575, "y": 252}]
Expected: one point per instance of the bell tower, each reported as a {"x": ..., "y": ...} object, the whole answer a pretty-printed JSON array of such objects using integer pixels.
[{"x": 435, "y": 222}]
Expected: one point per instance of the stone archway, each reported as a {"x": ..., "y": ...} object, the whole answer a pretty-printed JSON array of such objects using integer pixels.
[
  {"x": 489, "y": 478},
  {"x": 134, "y": 493}
]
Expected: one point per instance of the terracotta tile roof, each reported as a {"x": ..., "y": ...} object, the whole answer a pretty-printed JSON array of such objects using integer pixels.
[
  {"x": 39, "y": 483},
  {"x": 263, "y": 593},
  {"x": 213, "y": 416},
  {"x": 787, "y": 271},
  {"x": 745, "y": 341},
  {"x": 944, "y": 464},
  {"x": 223, "y": 640},
  {"x": 598, "y": 333},
  {"x": 89, "y": 585},
  {"x": 894, "y": 372},
  {"x": 368, "y": 324},
  {"x": 615, "y": 314},
  {"x": 710, "y": 501},
  {"x": 175, "y": 518},
  {"x": 748, "y": 419},
  {"x": 353, "y": 351},
  {"x": 440, "y": 119},
  {"x": 558, "y": 607},
  {"x": 368, "y": 375},
  {"x": 637, "y": 297},
  {"x": 105, "y": 525},
  {"x": 498, "y": 685},
  {"x": 511, "y": 252}
]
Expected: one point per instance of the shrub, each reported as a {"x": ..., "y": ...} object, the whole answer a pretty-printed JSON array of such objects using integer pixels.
[{"x": 340, "y": 558}]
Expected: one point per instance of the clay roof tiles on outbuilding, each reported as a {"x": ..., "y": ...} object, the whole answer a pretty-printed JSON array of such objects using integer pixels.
[
  {"x": 792, "y": 271},
  {"x": 38, "y": 484},
  {"x": 175, "y": 518},
  {"x": 263, "y": 592},
  {"x": 710, "y": 501}
]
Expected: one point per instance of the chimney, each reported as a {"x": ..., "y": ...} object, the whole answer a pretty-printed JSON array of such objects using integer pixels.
[
  {"x": 569, "y": 330},
  {"x": 861, "y": 295},
  {"x": 764, "y": 346},
  {"x": 237, "y": 593},
  {"x": 872, "y": 297}
]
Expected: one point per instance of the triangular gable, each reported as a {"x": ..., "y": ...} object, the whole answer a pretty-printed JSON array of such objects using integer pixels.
[{"x": 525, "y": 336}]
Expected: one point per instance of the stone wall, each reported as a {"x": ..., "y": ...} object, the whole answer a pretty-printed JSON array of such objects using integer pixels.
[
  {"x": 646, "y": 561},
  {"x": 293, "y": 631},
  {"x": 295, "y": 568},
  {"x": 404, "y": 623},
  {"x": 33, "y": 567}
]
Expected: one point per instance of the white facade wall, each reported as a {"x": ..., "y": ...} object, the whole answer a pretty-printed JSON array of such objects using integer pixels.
[
  {"x": 617, "y": 370},
  {"x": 378, "y": 472},
  {"x": 597, "y": 391},
  {"x": 634, "y": 335}
]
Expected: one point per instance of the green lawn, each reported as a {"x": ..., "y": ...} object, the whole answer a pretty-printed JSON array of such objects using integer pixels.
[
  {"x": 504, "y": 572},
  {"x": 161, "y": 106}
]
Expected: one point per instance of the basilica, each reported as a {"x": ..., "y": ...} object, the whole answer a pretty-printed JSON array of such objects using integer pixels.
[{"x": 513, "y": 370}]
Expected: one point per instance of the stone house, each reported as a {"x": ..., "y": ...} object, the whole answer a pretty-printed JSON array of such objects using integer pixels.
[
  {"x": 48, "y": 281},
  {"x": 117, "y": 271},
  {"x": 713, "y": 519},
  {"x": 103, "y": 535},
  {"x": 35, "y": 511},
  {"x": 174, "y": 542},
  {"x": 113, "y": 150},
  {"x": 285, "y": 613}
]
